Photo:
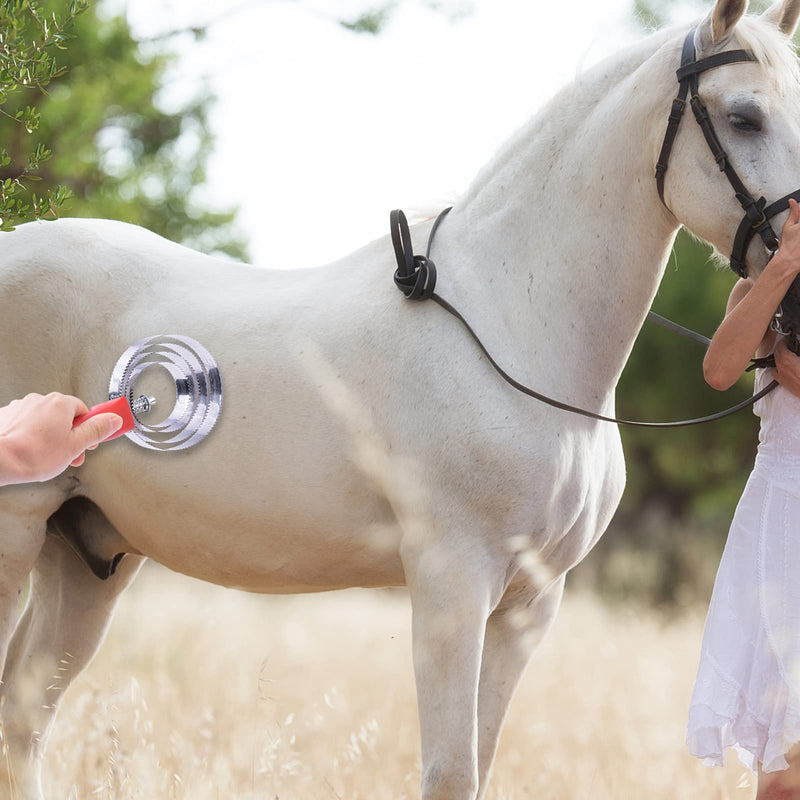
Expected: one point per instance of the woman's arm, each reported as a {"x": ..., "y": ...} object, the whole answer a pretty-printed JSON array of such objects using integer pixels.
[{"x": 751, "y": 306}]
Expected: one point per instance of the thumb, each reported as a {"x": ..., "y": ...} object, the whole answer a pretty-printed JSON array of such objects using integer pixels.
[
  {"x": 95, "y": 429},
  {"x": 794, "y": 212}
]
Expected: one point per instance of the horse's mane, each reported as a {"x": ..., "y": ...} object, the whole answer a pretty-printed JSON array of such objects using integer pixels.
[
  {"x": 572, "y": 103},
  {"x": 577, "y": 100},
  {"x": 769, "y": 45},
  {"x": 771, "y": 48}
]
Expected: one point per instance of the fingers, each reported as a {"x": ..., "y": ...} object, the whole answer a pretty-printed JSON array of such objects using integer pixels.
[
  {"x": 79, "y": 406},
  {"x": 90, "y": 433},
  {"x": 789, "y": 251},
  {"x": 793, "y": 218},
  {"x": 779, "y": 352},
  {"x": 67, "y": 401},
  {"x": 794, "y": 211},
  {"x": 787, "y": 367},
  {"x": 785, "y": 359}
]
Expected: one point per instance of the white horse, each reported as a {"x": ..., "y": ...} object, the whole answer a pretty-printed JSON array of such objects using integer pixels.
[{"x": 364, "y": 440}]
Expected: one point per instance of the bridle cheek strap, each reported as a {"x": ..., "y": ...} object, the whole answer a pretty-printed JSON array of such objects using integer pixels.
[
  {"x": 687, "y": 79},
  {"x": 756, "y": 212}
]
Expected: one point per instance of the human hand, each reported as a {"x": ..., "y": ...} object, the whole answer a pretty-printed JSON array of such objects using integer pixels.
[
  {"x": 38, "y": 442},
  {"x": 788, "y": 256},
  {"x": 787, "y": 367}
]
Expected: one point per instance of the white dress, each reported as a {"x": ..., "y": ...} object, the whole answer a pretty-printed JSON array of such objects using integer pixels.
[{"x": 747, "y": 691}]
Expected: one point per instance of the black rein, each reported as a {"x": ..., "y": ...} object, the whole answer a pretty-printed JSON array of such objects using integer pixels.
[{"x": 416, "y": 278}]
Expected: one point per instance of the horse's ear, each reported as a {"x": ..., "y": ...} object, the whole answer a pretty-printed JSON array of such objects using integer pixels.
[
  {"x": 719, "y": 24},
  {"x": 783, "y": 14}
]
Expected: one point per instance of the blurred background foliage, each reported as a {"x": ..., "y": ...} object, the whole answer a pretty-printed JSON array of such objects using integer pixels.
[
  {"x": 127, "y": 154},
  {"x": 122, "y": 150},
  {"x": 107, "y": 128}
]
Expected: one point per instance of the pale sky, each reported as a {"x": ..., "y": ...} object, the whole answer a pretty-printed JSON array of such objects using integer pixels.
[{"x": 321, "y": 132}]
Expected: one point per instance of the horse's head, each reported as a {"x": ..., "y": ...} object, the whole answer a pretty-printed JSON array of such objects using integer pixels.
[{"x": 729, "y": 176}]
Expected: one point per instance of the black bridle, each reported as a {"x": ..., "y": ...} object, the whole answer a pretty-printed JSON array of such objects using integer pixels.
[
  {"x": 416, "y": 275},
  {"x": 757, "y": 213}
]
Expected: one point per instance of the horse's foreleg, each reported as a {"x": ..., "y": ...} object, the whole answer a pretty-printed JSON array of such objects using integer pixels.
[
  {"x": 513, "y": 631},
  {"x": 66, "y": 618},
  {"x": 451, "y": 600}
]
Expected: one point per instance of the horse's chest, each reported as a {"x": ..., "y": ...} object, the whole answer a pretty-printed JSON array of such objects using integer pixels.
[{"x": 579, "y": 494}]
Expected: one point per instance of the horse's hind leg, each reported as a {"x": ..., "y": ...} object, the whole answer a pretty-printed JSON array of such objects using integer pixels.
[
  {"x": 23, "y": 522},
  {"x": 513, "y": 630},
  {"x": 21, "y": 539},
  {"x": 66, "y": 618}
]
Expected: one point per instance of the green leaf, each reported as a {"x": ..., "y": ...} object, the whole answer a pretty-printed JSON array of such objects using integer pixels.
[{"x": 371, "y": 22}]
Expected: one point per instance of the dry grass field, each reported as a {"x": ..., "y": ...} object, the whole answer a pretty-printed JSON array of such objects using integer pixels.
[{"x": 205, "y": 693}]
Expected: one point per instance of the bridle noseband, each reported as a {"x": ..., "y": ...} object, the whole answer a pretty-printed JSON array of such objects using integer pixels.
[{"x": 756, "y": 212}]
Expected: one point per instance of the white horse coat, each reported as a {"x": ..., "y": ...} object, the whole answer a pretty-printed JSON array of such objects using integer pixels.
[{"x": 364, "y": 440}]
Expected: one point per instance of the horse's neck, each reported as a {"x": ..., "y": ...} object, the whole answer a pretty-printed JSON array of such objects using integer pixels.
[{"x": 566, "y": 233}]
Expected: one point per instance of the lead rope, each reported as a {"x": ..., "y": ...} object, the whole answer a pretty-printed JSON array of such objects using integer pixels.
[{"x": 416, "y": 278}]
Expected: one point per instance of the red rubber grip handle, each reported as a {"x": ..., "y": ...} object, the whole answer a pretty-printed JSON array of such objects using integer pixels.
[{"x": 119, "y": 406}]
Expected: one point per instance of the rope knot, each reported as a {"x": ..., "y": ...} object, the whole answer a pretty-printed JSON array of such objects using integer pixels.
[
  {"x": 420, "y": 283},
  {"x": 415, "y": 276}
]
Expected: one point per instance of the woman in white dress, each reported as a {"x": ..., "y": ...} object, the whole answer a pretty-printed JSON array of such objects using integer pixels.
[{"x": 747, "y": 692}]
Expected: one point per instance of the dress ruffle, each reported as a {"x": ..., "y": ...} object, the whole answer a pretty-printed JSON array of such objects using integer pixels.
[
  {"x": 747, "y": 691},
  {"x": 725, "y": 719}
]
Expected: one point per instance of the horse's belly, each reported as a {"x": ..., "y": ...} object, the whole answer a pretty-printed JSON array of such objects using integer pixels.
[
  {"x": 214, "y": 535},
  {"x": 305, "y": 521}
]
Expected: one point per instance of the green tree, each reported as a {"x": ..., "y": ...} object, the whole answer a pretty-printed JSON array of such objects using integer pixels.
[
  {"x": 28, "y": 39},
  {"x": 120, "y": 152}
]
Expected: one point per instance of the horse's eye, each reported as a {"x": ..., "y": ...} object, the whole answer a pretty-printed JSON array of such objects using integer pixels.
[{"x": 745, "y": 124}]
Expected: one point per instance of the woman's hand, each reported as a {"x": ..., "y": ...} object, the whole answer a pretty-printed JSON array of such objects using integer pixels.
[
  {"x": 788, "y": 255},
  {"x": 38, "y": 442},
  {"x": 787, "y": 367},
  {"x": 751, "y": 307}
]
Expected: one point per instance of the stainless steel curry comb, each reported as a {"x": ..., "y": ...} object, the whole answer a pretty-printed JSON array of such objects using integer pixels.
[{"x": 198, "y": 393}]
